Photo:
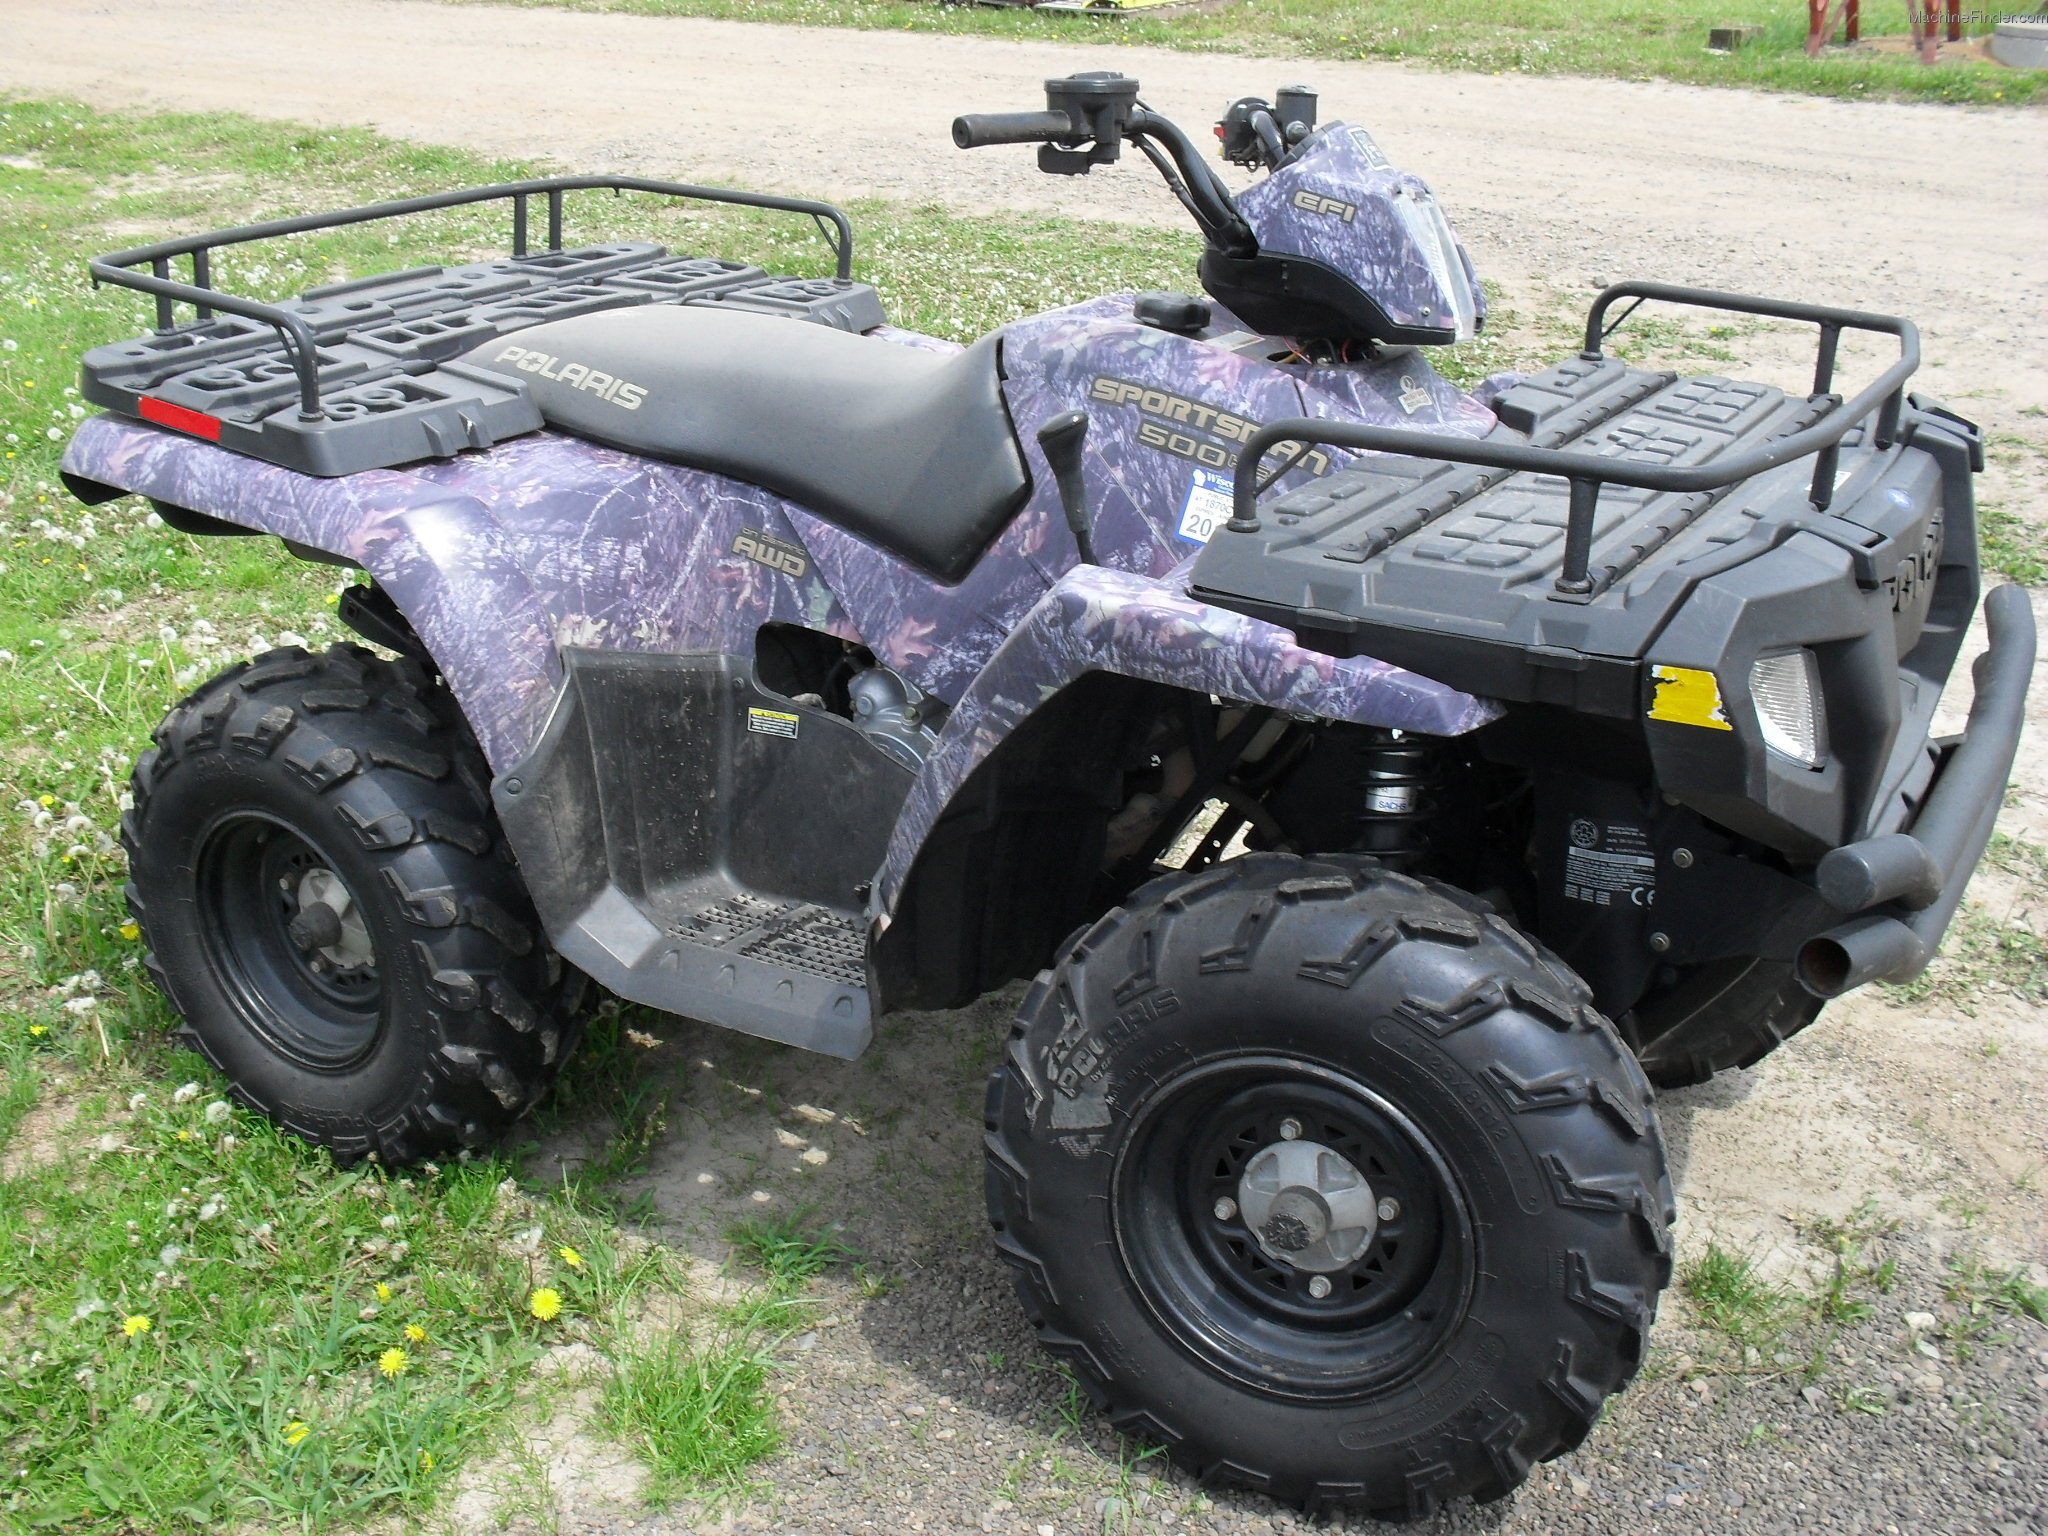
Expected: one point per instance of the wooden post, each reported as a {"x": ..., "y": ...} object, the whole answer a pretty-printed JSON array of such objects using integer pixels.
[{"x": 1854, "y": 28}]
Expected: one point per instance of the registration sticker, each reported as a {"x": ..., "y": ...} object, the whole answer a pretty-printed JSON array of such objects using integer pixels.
[
  {"x": 772, "y": 722},
  {"x": 1207, "y": 507},
  {"x": 1687, "y": 696}
]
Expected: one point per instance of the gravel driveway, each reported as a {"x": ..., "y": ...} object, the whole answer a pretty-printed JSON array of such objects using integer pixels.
[{"x": 926, "y": 1406}]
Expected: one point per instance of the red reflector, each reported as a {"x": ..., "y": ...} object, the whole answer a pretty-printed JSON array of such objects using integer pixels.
[{"x": 165, "y": 414}]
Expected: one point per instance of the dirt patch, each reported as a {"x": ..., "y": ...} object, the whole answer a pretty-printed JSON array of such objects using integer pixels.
[{"x": 40, "y": 1139}]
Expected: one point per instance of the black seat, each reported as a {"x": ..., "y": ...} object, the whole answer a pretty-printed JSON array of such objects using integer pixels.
[{"x": 911, "y": 450}]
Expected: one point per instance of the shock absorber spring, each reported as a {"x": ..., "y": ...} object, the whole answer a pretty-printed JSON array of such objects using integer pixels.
[{"x": 1397, "y": 775}]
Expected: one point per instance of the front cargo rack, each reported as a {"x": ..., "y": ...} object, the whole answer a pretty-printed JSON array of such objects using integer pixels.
[
  {"x": 366, "y": 373},
  {"x": 1820, "y": 432}
]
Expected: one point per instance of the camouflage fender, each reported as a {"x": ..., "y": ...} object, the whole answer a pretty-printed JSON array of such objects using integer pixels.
[
  {"x": 1098, "y": 620},
  {"x": 446, "y": 563}
]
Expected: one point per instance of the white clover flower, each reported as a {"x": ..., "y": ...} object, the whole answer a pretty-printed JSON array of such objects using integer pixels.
[
  {"x": 211, "y": 1210},
  {"x": 388, "y": 1223},
  {"x": 169, "y": 1254}
]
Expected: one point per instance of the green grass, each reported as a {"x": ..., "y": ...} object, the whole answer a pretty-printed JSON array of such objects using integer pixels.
[
  {"x": 698, "y": 1416},
  {"x": 1733, "y": 1299},
  {"x": 1983, "y": 1301},
  {"x": 1622, "y": 38},
  {"x": 790, "y": 1250},
  {"x": 1991, "y": 948},
  {"x": 209, "y": 1322},
  {"x": 2012, "y": 547},
  {"x": 1981, "y": 952}
]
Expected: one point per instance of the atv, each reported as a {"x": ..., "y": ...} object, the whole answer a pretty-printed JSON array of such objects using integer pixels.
[{"x": 1382, "y": 785}]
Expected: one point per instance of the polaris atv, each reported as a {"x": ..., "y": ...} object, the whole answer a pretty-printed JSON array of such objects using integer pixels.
[{"x": 1385, "y": 784}]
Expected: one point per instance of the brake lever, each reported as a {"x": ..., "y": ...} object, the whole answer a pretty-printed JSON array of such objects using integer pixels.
[
  {"x": 1270, "y": 139},
  {"x": 1055, "y": 161}
]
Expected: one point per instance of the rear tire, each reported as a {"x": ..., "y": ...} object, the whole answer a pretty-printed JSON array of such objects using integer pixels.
[
  {"x": 1727, "y": 1014},
  {"x": 1324, "y": 1014},
  {"x": 328, "y": 903}
]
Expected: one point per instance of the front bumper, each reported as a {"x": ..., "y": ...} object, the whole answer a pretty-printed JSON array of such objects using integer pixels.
[{"x": 1904, "y": 886}]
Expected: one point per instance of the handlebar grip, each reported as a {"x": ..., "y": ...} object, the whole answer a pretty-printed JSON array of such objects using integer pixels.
[{"x": 976, "y": 129}]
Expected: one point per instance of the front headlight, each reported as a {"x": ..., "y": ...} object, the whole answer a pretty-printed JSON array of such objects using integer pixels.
[{"x": 1786, "y": 691}]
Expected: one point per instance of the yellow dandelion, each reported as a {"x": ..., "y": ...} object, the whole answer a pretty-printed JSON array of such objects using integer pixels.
[
  {"x": 383, "y": 1291},
  {"x": 545, "y": 1304},
  {"x": 426, "y": 1461},
  {"x": 296, "y": 1431},
  {"x": 571, "y": 1257},
  {"x": 135, "y": 1323},
  {"x": 46, "y": 801},
  {"x": 416, "y": 1333},
  {"x": 130, "y": 932},
  {"x": 393, "y": 1362},
  {"x": 39, "y": 1029}
]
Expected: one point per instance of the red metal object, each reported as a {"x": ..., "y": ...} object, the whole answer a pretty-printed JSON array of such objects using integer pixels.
[{"x": 1822, "y": 17}]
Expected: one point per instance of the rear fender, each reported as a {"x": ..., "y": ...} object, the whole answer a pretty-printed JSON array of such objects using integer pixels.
[
  {"x": 1098, "y": 620},
  {"x": 444, "y": 561}
]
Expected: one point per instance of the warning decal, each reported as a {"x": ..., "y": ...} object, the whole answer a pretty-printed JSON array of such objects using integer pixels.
[
  {"x": 1609, "y": 866},
  {"x": 772, "y": 722}
]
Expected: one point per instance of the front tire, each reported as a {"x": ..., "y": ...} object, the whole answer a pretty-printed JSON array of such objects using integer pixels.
[
  {"x": 1330, "y": 1182},
  {"x": 328, "y": 903}
]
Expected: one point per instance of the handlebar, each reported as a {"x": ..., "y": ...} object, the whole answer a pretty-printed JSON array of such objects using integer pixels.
[
  {"x": 1087, "y": 118},
  {"x": 976, "y": 130}
]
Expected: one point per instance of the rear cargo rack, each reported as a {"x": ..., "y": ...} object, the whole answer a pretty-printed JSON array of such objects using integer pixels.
[
  {"x": 297, "y": 336},
  {"x": 1587, "y": 472}
]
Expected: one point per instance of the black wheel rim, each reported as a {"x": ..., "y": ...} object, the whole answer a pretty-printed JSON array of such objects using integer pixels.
[
  {"x": 319, "y": 1004},
  {"x": 1338, "y": 1331}
]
